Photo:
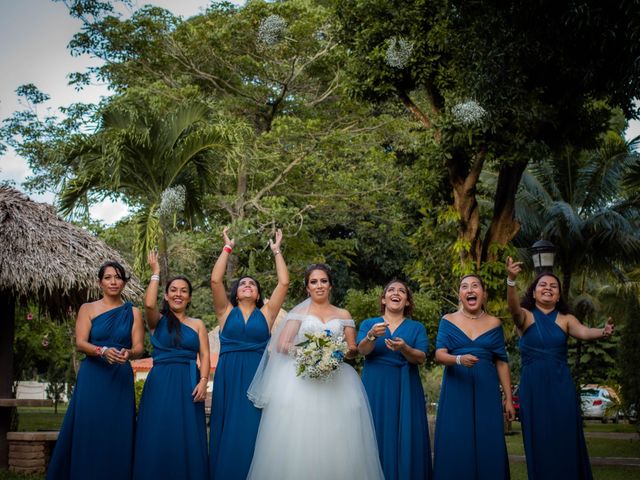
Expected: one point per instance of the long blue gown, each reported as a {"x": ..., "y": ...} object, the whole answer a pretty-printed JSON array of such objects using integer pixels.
[
  {"x": 551, "y": 420},
  {"x": 397, "y": 402},
  {"x": 96, "y": 438},
  {"x": 234, "y": 419},
  {"x": 171, "y": 438},
  {"x": 469, "y": 441}
]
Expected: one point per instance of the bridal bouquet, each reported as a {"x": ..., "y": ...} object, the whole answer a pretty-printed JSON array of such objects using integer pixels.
[{"x": 319, "y": 355}]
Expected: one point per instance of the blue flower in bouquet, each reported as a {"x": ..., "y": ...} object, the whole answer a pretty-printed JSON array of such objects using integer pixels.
[{"x": 320, "y": 355}]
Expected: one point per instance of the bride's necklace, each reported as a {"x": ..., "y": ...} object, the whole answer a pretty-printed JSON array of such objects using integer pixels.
[{"x": 472, "y": 317}]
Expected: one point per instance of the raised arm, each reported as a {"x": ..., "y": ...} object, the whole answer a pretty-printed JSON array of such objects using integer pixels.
[
  {"x": 151, "y": 295},
  {"x": 520, "y": 316},
  {"x": 221, "y": 303},
  {"x": 272, "y": 308},
  {"x": 582, "y": 332}
]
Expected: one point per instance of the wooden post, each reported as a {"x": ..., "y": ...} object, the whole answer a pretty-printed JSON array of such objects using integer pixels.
[{"x": 7, "y": 332}]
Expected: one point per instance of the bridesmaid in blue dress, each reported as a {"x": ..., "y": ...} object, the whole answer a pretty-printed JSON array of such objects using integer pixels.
[
  {"x": 551, "y": 423},
  {"x": 171, "y": 440},
  {"x": 394, "y": 346},
  {"x": 469, "y": 441},
  {"x": 96, "y": 438},
  {"x": 245, "y": 322}
]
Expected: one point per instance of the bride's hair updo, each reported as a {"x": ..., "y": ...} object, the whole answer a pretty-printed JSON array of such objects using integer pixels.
[{"x": 317, "y": 266}]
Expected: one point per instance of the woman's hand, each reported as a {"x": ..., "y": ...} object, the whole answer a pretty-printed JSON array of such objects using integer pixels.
[
  {"x": 152, "y": 260},
  {"x": 607, "y": 331},
  {"x": 509, "y": 410},
  {"x": 396, "y": 344},
  {"x": 111, "y": 356},
  {"x": 227, "y": 240},
  {"x": 378, "y": 329},
  {"x": 200, "y": 392},
  {"x": 275, "y": 245},
  {"x": 468, "y": 360},
  {"x": 513, "y": 268}
]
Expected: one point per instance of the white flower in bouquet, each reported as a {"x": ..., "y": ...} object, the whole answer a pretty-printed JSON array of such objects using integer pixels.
[{"x": 319, "y": 355}]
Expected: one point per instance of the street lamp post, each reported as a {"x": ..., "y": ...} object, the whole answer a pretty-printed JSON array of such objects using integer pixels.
[{"x": 543, "y": 253}]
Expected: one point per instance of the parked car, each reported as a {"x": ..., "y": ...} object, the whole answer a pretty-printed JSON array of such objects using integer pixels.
[{"x": 599, "y": 402}]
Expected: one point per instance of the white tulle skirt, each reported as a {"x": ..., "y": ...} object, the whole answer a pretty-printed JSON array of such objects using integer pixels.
[{"x": 316, "y": 430}]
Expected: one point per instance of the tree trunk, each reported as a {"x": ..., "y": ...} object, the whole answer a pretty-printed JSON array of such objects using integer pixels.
[
  {"x": 504, "y": 226},
  {"x": 464, "y": 184},
  {"x": 7, "y": 332}
]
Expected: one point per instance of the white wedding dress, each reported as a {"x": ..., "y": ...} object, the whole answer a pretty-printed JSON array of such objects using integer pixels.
[{"x": 311, "y": 429}]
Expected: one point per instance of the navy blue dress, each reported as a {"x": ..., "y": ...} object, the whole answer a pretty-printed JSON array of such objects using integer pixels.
[
  {"x": 96, "y": 438},
  {"x": 234, "y": 419},
  {"x": 171, "y": 438},
  {"x": 551, "y": 420},
  {"x": 469, "y": 441},
  {"x": 397, "y": 402}
]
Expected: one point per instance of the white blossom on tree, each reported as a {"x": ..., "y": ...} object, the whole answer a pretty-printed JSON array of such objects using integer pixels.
[
  {"x": 469, "y": 112},
  {"x": 271, "y": 29},
  {"x": 172, "y": 201},
  {"x": 399, "y": 52}
]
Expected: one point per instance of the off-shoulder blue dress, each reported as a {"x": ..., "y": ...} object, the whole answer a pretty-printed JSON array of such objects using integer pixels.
[
  {"x": 97, "y": 435},
  {"x": 469, "y": 441},
  {"x": 171, "y": 437},
  {"x": 234, "y": 419},
  {"x": 397, "y": 402},
  {"x": 549, "y": 411}
]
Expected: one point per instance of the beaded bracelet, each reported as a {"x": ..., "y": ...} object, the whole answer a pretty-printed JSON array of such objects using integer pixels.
[
  {"x": 155, "y": 277},
  {"x": 458, "y": 359},
  {"x": 511, "y": 283}
]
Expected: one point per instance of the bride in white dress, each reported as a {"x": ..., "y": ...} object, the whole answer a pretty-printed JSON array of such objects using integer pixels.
[{"x": 312, "y": 429}]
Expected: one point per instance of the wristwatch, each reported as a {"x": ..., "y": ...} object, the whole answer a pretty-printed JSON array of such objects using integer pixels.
[{"x": 371, "y": 338}]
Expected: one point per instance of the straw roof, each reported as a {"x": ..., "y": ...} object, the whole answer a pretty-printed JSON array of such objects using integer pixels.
[{"x": 46, "y": 259}]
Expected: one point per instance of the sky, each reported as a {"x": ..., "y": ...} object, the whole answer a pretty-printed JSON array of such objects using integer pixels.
[{"x": 34, "y": 35}]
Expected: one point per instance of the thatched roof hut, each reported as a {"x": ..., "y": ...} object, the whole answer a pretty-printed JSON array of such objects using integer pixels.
[
  {"x": 45, "y": 260},
  {"x": 48, "y": 260}
]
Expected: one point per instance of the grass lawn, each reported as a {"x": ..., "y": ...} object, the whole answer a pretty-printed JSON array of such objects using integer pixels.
[
  {"x": 43, "y": 418},
  {"x": 598, "y": 447},
  {"x": 33, "y": 419}
]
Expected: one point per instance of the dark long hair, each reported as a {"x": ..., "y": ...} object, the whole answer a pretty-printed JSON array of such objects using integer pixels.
[
  {"x": 317, "y": 266},
  {"x": 116, "y": 266},
  {"x": 233, "y": 293},
  {"x": 529, "y": 303},
  {"x": 408, "y": 308},
  {"x": 173, "y": 323}
]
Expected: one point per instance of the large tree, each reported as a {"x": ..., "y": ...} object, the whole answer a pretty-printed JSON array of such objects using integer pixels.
[{"x": 495, "y": 83}]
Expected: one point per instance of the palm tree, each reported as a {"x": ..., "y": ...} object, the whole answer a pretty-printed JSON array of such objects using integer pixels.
[
  {"x": 577, "y": 202},
  {"x": 160, "y": 164}
]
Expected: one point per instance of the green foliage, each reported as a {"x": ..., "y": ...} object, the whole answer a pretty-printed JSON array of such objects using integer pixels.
[{"x": 138, "y": 386}]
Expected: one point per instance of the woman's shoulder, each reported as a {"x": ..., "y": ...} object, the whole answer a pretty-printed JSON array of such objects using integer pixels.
[{"x": 341, "y": 313}]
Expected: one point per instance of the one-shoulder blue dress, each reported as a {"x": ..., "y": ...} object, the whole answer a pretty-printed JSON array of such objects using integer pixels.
[
  {"x": 469, "y": 441},
  {"x": 96, "y": 438},
  {"x": 234, "y": 419},
  {"x": 551, "y": 421},
  {"x": 171, "y": 437},
  {"x": 397, "y": 402}
]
